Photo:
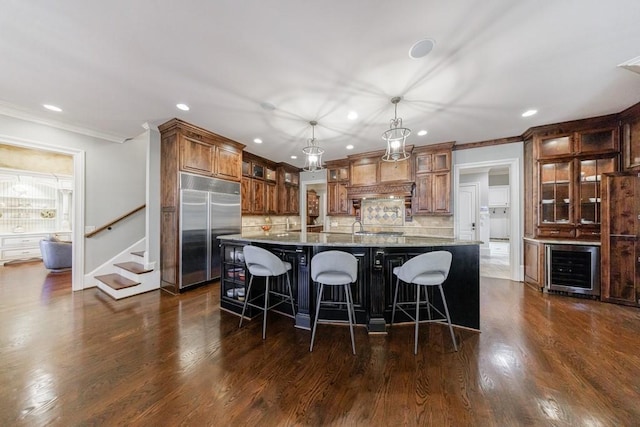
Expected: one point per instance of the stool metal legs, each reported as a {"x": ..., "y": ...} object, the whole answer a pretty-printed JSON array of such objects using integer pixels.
[
  {"x": 351, "y": 313},
  {"x": 446, "y": 312},
  {"x": 265, "y": 308},
  {"x": 417, "y": 314}
]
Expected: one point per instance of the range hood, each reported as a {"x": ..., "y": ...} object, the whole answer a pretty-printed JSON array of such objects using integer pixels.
[{"x": 400, "y": 190}]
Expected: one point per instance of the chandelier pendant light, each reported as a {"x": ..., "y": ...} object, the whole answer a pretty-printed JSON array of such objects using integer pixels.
[
  {"x": 312, "y": 152},
  {"x": 396, "y": 136}
]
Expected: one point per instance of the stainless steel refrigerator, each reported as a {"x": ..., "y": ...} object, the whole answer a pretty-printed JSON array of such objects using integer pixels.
[{"x": 209, "y": 208}]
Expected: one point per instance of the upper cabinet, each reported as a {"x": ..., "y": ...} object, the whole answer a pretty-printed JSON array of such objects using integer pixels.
[
  {"x": 259, "y": 185},
  {"x": 564, "y": 166},
  {"x": 432, "y": 193},
  {"x": 202, "y": 152},
  {"x": 288, "y": 189},
  {"x": 630, "y": 128},
  {"x": 337, "y": 182}
]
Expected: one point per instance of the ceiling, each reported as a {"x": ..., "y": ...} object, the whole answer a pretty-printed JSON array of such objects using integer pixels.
[{"x": 113, "y": 66}]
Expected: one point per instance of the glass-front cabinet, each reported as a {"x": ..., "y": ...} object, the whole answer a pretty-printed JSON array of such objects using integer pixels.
[
  {"x": 589, "y": 193},
  {"x": 555, "y": 188}
]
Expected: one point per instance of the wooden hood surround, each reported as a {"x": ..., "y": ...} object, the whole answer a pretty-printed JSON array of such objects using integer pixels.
[{"x": 371, "y": 177}]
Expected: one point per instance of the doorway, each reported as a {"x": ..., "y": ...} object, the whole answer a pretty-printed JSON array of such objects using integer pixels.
[
  {"x": 502, "y": 258},
  {"x": 76, "y": 203}
]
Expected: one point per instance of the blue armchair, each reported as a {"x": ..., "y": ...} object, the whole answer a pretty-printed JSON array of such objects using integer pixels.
[{"x": 56, "y": 255}]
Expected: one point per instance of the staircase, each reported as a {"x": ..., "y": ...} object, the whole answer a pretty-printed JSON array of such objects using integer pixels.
[{"x": 126, "y": 275}]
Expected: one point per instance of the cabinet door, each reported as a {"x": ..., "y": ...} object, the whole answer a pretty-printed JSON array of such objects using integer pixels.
[
  {"x": 556, "y": 193},
  {"x": 343, "y": 200},
  {"x": 196, "y": 156},
  {"x": 245, "y": 195},
  {"x": 258, "y": 193},
  {"x": 589, "y": 191},
  {"x": 499, "y": 196},
  {"x": 423, "y": 200},
  {"x": 556, "y": 146},
  {"x": 620, "y": 227},
  {"x": 294, "y": 200},
  {"x": 441, "y": 192},
  {"x": 631, "y": 142},
  {"x": 228, "y": 164},
  {"x": 533, "y": 263},
  {"x": 338, "y": 201},
  {"x": 272, "y": 197},
  {"x": 598, "y": 141}
]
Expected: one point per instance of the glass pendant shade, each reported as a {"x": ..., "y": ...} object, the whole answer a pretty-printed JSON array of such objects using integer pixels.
[
  {"x": 312, "y": 152},
  {"x": 396, "y": 136}
]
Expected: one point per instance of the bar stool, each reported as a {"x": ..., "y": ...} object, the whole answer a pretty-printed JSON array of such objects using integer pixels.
[
  {"x": 263, "y": 263},
  {"x": 428, "y": 269},
  {"x": 335, "y": 268}
]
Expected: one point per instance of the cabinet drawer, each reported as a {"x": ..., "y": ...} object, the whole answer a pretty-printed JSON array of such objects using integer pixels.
[
  {"x": 22, "y": 241},
  {"x": 20, "y": 253},
  {"x": 556, "y": 232},
  {"x": 589, "y": 234}
]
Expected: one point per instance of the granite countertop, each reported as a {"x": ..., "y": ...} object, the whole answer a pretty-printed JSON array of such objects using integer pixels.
[{"x": 344, "y": 239}]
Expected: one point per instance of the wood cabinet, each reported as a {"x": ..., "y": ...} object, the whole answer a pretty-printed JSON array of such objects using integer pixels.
[
  {"x": 630, "y": 128},
  {"x": 205, "y": 153},
  {"x": 337, "y": 182},
  {"x": 271, "y": 197},
  {"x": 534, "y": 263},
  {"x": 288, "y": 189},
  {"x": 620, "y": 249},
  {"x": 564, "y": 181},
  {"x": 432, "y": 194},
  {"x": 259, "y": 189},
  {"x": 188, "y": 148}
]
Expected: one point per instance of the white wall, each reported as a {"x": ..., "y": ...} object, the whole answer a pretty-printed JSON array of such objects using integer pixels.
[{"x": 114, "y": 177}]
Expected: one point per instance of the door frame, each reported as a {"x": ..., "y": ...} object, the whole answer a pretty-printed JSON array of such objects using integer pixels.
[
  {"x": 515, "y": 236},
  {"x": 476, "y": 187},
  {"x": 77, "y": 228}
]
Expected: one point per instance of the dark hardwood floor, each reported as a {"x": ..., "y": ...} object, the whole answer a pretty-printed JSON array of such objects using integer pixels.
[{"x": 159, "y": 360}]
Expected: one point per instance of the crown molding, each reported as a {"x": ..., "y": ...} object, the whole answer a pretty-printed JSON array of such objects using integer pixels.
[{"x": 22, "y": 114}]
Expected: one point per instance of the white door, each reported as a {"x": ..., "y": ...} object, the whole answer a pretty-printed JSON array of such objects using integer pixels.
[{"x": 468, "y": 201}]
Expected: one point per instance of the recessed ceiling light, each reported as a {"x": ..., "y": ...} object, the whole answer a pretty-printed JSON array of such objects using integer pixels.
[
  {"x": 257, "y": 141},
  {"x": 52, "y": 108},
  {"x": 421, "y": 48},
  {"x": 294, "y": 157},
  {"x": 422, "y": 132},
  {"x": 352, "y": 115},
  {"x": 183, "y": 107},
  {"x": 529, "y": 113},
  {"x": 349, "y": 147}
]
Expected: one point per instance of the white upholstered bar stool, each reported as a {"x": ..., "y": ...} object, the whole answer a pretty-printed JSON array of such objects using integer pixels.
[
  {"x": 428, "y": 269},
  {"x": 263, "y": 263},
  {"x": 335, "y": 268}
]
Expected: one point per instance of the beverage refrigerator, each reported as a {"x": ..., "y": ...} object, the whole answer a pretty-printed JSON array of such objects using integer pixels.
[{"x": 209, "y": 208}]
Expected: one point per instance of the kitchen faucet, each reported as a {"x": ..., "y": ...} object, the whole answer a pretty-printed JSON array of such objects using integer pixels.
[
  {"x": 287, "y": 224},
  {"x": 353, "y": 226}
]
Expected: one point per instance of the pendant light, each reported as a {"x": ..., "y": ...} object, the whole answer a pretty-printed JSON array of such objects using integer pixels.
[
  {"x": 312, "y": 152},
  {"x": 395, "y": 137}
]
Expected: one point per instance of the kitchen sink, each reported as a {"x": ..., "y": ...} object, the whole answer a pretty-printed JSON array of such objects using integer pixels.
[{"x": 379, "y": 233}]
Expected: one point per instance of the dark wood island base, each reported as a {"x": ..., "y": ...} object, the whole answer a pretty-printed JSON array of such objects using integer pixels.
[{"x": 372, "y": 293}]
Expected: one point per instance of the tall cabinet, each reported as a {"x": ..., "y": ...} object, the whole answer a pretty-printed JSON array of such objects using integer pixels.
[
  {"x": 564, "y": 168},
  {"x": 620, "y": 249},
  {"x": 188, "y": 148}
]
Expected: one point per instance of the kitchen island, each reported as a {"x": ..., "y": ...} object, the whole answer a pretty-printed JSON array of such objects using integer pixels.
[{"x": 377, "y": 255}]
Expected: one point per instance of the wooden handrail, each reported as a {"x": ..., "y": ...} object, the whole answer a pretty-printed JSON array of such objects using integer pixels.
[{"x": 109, "y": 225}]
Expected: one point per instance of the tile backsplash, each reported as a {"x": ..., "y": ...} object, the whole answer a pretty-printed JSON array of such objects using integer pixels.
[{"x": 383, "y": 212}]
